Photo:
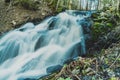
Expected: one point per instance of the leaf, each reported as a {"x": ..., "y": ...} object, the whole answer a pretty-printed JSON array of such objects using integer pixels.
[
  {"x": 75, "y": 71},
  {"x": 93, "y": 78},
  {"x": 113, "y": 78},
  {"x": 68, "y": 78},
  {"x": 61, "y": 78}
]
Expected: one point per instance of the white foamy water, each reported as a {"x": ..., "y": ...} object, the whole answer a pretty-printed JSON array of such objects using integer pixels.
[{"x": 28, "y": 51}]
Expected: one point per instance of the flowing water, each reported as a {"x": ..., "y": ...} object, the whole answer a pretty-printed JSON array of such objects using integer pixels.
[
  {"x": 27, "y": 52},
  {"x": 78, "y": 4}
]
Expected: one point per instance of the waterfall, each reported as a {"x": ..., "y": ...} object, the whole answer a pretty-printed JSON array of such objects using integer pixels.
[
  {"x": 27, "y": 52},
  {"x": 78, "y": 4}
]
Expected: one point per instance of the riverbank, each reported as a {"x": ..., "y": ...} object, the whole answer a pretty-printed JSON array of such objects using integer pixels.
[{"x": 14, "y": 15}]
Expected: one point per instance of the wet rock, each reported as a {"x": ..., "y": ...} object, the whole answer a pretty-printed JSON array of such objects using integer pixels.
[
  {"x": 68, "y": 61},
  {"x": 53, "y": 69},
  {"x": 43, "y": 13},
  {"x": 13, "y": 23},
  {"x": 27, "y": 79},
  {"x": 86, "y": 24}
]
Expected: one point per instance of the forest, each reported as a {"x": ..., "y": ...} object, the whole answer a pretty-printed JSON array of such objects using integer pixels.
[{"x": 59, "y": 39}]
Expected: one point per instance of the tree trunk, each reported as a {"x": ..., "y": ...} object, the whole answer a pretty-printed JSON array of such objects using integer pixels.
[
  {"x": 119, "y": 7},
  {"x": 70, "y": 4},
  {"x": 79, "y": 4},
  {"x": 98, "y": 4},
  {"x": 58, "y": 2}
]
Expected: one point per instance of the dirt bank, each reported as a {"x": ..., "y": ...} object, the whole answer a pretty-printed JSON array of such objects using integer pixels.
[{"x": 12, "y": 16}]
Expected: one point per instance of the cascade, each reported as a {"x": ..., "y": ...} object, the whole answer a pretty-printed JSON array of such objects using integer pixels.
[
  {"x": 78, "y": 4},
  {"x": 29, "y": 51}
]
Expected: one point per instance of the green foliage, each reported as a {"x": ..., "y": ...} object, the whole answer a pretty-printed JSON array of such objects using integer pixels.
[
  {"x": 61, "y": 78},
  {"x": 94, "y": 15},
  {"x": 109, "y": 25},
  {"x": 100, "y": 29},
  {"x": 59, "y": 9},
  {"x": 113, "y": 78},
  {"x": 55, "y": 5},
  {"x": 64, "y": 79},
  {"x": 103, "y": 23}
]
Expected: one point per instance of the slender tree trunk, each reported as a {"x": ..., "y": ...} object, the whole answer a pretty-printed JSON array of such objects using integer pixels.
[
  {"x": 98, "y": 4},
  {"x": 70, "y": 4},
  {"x": 79, "y": 4},
  {"x": 58, "y": 2},
  {"x": 119, "y": 7},
  {"x": 87, "y": 5},
  {"x": 90, "y": 5}
]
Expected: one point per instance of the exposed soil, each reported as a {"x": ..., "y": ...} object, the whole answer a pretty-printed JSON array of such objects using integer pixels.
[{"x": 13, "y": 16}]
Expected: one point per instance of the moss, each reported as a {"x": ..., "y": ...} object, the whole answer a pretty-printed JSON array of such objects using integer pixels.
[{"x": 110, "y": 25}]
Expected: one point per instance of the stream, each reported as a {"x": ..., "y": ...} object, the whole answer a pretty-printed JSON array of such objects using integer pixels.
[{"x": 31, "y": 50}]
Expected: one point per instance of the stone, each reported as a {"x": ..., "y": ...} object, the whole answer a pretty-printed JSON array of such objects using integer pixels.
[
  {"x": 13, "y": 23},
  {"x": 53, "y": 69}
]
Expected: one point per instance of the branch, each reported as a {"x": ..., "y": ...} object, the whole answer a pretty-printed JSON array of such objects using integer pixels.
[{"x": 114, "y": 61}]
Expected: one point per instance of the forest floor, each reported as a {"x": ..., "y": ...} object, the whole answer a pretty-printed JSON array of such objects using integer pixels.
[{"x": 12, "y": 16}]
